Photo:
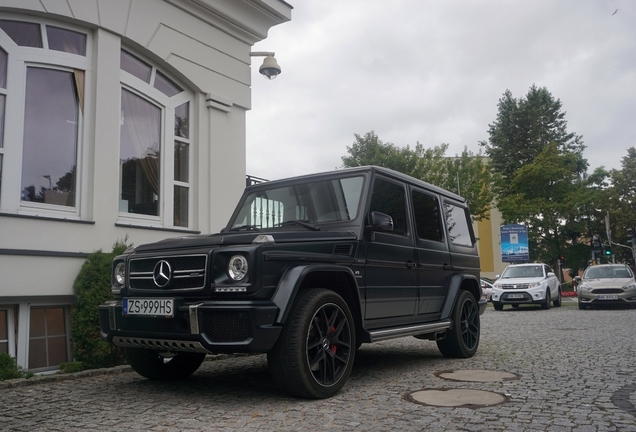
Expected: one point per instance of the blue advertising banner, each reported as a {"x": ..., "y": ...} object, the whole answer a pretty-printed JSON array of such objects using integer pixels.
[{"x": 514, "y": 243}]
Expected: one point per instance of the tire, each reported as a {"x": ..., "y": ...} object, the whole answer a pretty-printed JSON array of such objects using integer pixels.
[
  {"x": 154, "y": 365},
  {"x": 546, "y": 302},
  {"x": 497, "y": 305},
  {"x": 462, "y": 339},
  {"x": 558, "y": 301},
  {"x": 314, "y": 354},
  {"x": 582, "y": 306}
]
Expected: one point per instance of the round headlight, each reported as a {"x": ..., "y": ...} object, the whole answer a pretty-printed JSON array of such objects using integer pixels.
[
  {"x": 237, "y": 268},
  {"x": 120, "y": 273}
]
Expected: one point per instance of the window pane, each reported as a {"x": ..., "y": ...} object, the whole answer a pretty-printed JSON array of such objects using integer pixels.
[
  {"x": 180, "y": 206},
  {"x": 134, "y": 66},
  {"x": 3, "y": 69},
  {"x": 23, "y": 33},
  {"x": 55, "y": 322},
  {"x": 50, "y": 137},
  {"x": 37, "y": 353},
  {"x": 57, "y": 350},
  {"x": 37, "y": 323},
  {"x": 140, "y": 148},
  {"x": 0, "y": 176},
  {"x": 66, "y": 40},
  {"x": 457, "y": 224},
  {"x": 388, "y": 198},
  {"x": 181, "y": 158},
  {"x": 166, "y": 86},
  {"x": 2, "y": 104},
  {"x": 427, "y": 217},
  {"x": 4, "y": 348},
  {"x": 4, "y": 332},
  {"x": 182, "y": 120}
]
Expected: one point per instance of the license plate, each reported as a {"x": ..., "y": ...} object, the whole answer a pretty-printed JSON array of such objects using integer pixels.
[
  {"x": 608, "y": 297},
  {"x": 148, "y": 307},
  {"x": 515, "y": 296}
]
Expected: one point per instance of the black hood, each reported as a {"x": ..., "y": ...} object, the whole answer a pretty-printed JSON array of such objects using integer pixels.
[{"x": 244, "y": 238}]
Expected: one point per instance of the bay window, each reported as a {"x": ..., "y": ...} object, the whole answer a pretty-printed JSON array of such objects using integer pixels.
[
  {"x": 42, "y": 74},
  {"x": 154, "y": 146}
]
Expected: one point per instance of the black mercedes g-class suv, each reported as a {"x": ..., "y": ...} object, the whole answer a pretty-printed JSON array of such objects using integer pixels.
[{"x": 307, "y": 270}]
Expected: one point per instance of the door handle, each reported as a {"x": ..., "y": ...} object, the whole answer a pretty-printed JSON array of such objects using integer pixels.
[{"x": 410, "y": 264}]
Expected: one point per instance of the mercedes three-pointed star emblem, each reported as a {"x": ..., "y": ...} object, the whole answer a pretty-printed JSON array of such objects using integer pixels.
[{"x": 162, "y": 274}]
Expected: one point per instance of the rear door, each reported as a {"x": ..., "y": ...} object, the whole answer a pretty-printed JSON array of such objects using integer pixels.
[{"x": 433, "y": 257}]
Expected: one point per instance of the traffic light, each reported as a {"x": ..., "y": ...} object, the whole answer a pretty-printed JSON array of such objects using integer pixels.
[
  {"x": 608, "y": 251},
  {"x": 562, "y": 259},
  {"x": 596, "y": 245},
  {"x": 631, "y": 235}
]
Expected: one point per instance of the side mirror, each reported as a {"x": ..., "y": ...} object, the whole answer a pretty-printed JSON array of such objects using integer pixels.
[
  {"x": 381, "y": 222},
  {"x": 550, "y": 274},
  {"x": 577, "y": 278}
]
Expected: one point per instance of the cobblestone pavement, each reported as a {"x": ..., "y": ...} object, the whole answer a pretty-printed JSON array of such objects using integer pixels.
[{"x": 576, "y": 372}]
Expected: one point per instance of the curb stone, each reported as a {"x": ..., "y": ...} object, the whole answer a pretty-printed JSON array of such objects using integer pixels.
[{"x": 44, "y": 379}]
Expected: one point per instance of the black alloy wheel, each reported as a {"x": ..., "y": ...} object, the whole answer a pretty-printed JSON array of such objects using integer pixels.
[
  {"x": 314, "y": 354},
  {"x": 462, "y": 339}
]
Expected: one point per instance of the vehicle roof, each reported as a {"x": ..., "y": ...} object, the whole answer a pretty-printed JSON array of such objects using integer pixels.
[{"x": 368, "y": 169}]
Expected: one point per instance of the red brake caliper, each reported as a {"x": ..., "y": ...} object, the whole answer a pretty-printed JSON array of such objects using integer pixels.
[{"x": 333, "y": 346}]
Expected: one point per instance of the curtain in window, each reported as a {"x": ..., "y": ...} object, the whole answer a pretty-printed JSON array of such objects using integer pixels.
[{"x": 140, "y": 147}]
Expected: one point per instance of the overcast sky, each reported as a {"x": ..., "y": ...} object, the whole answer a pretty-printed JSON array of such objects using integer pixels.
[{"x": 433, "y": 72}]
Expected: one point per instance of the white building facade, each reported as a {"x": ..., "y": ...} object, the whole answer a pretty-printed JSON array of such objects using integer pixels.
[{"x": 117, "y": 118}]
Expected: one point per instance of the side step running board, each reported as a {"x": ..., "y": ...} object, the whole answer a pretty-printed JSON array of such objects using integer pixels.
[{"x": 380, "y": 335}]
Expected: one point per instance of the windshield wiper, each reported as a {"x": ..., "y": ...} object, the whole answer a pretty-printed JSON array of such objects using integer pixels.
[
  {"x": 246, "y": 228},
  {"x": 304, "y": 223}
]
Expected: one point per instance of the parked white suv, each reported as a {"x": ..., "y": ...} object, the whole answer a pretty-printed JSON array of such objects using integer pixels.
[{"x": 526, "y": 284}]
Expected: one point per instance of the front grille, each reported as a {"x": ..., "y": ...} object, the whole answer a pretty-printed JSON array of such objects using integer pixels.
[
  {"x": 607, "y": 291},
  {"x": 226, "y": 326},
  {"x": 165, "y": 326},
  {"x": 514, "y": 286},
  {"x": 188, "y": 272}
]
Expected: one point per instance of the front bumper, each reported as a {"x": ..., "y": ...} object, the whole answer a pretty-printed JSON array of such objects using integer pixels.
[
  {"x": 207, "y": 326},
  {"x": 590, "y": 298},
  {"x": 525, "y": 296}
]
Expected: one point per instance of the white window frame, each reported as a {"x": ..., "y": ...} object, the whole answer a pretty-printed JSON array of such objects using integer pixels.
[
  {"x": 140, "y": 88},
  {"x": 10, "y": 328},
  {"x": 19, "y": 59}
]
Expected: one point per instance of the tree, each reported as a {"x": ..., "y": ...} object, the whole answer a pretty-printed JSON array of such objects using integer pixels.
[
  {"x": 522, "y": 129},
  {"x": 622, "y": 203},
  {"x": 430, "y": 165}
]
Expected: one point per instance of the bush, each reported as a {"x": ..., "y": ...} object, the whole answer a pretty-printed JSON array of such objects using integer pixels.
[
  {"x": 91, "y": 288},
  {"x": 9, "y": 369}
]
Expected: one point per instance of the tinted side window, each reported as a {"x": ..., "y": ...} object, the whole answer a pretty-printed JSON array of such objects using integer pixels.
[
  {"x": 457, "y": 225},
  {"x": 427, "y": 216},
  {"x": 388, "y": 198}
]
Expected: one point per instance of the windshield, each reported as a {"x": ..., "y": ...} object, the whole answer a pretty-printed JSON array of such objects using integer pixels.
[
  {"x": 522, "y": 271},
  {"x": 313, "y": 202},
  {"x": 607, "y": 272}
]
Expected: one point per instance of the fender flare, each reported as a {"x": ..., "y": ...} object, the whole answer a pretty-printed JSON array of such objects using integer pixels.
[
  {"x": 454, "y": 286},
  {"x": 293, "y": 278}
]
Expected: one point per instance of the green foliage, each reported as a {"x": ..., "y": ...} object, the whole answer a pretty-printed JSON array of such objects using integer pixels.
[
  {"x": 9, "y": 369},
  {"x": 72, "y": 367},
  {"x": 521, "y": 131},
  {"x": 621, "y": 202},
  {"x": 467, "y": 171},
  {"x": 91, "y": 288}
]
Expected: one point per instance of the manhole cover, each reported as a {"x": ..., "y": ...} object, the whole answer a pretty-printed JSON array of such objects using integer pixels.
[
  {"x": 476, "y": 376},
  {"x": 465, "y": 398}
]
